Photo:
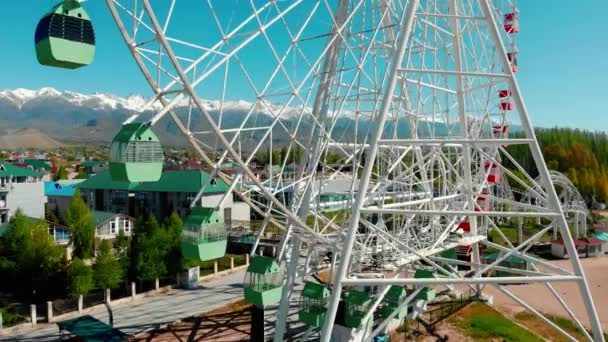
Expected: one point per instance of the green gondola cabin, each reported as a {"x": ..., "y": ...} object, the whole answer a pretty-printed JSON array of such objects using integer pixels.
[
  {"x": 392, "y": 300},
  {"x": 65, "y": 37},
  {"x": 357, "y": 306},
  {"x": 426, "y": 293},
  {"x": 204, "y": 235},
  {"x": 313, "y": 304},
  {"x": 263, "y": 282},
  {"x": 136, "y": 154}
]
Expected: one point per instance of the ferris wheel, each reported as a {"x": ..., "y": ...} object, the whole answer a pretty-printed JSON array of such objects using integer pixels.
[{"x": 392, "y": 119}]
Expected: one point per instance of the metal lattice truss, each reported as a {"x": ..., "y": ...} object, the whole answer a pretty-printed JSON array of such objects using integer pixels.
[
  {"x": 572, "y": 202},
  {"x": 392, "y": 117}
]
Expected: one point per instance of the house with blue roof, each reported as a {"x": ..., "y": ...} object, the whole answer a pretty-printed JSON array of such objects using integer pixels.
[{"x": 59, "y": 194}]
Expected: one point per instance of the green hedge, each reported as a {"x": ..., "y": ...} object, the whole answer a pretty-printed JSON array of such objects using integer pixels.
[{"x": 10, "y": 317}]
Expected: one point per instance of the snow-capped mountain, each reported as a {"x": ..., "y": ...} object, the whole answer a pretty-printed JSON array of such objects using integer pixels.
[
  {"x": 21, "y": 98},
  {"x": 80, "y": 118},
  {"x": 83, "y": 118}
]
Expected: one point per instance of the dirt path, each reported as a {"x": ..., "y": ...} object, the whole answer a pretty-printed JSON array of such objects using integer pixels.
[
  {"x": 227, "y": 324},
  {"x": 539, "y": 296}
]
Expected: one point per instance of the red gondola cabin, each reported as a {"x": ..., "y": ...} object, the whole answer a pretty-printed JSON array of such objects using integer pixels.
[
  {"x": 512, "y": 22},
  {"x": 499, "y": 131},
  {"x": 493, "y": 174},
  {"x": 465, "y": 226},
  {"x": 505, "y": 99}
]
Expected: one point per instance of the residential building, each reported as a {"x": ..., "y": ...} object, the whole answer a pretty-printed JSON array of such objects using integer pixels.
[
  {"x": 586, "y": 247},
  {"x": 20, "y": 188},
  {"x": 93, "y": 167},
  {"x": 59, "y": 195},
  {"x": 108, "y": 225},
  {"x": 38, "y": 165},
  {"x": 174, "y": 192},
  {"x": 60, "y": 233}
]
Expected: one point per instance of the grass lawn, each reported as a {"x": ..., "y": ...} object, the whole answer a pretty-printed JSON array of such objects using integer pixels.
[
  {"x": 511, "y": 234},
  {"x": 483, "y": 323},
  {"x": 540, "y": 327}
]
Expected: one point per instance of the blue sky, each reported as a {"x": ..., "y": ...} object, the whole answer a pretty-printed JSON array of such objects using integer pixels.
[{"x": 563, "y": 59}]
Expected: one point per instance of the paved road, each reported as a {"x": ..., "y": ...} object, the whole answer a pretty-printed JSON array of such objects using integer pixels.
[{"x": 151, "y": 312}]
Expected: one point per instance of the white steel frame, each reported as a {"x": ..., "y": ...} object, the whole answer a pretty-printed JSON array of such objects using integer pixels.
[{"x": 401, "y": 92}]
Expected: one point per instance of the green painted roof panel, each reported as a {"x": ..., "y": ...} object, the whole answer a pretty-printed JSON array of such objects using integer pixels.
[
  {"x": 131, "y": 131},
  {"x": 358, "y": 298},
  {"x": 395, "y": 292},
  {"x": 103, "y": 181},
  {"x": 37, "y": 164},
  {"x": 263, "y": 265},
  {"x": 601, "y": 236},
  {"x": 514, "y": 259},
  {"x": 315, "y": 290},
  {"x": 424, "y": 274},
  {"x": 201, "y": 215},
  {"x": 101, "y": 217},
  {"x": 170, "y": 181},
  {"x": 7, "y": 170}
]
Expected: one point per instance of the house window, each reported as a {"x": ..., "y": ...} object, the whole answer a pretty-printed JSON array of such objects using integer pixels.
[
  {"x": 113, "y": 227},
  {"x": 126, "y": 225}
]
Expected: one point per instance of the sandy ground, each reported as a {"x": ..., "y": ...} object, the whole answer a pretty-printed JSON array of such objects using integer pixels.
[{"x": 540, "y": 297}]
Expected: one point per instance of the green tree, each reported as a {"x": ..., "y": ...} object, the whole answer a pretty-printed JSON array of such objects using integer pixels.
[
  {"x": 276, "y": 157},
  {"x": 107, "y": 268},
  {"x": 80, "y": 278},
  {"x": 29, "y": 258},
  {"x": 62, "y": 173},
  {"x": 149, "y": 250},
  {"x": 50, "y": 215},
  {"x": 81, "y": 221},
  {"x": 82, "y": 174},
  {"x": 175, "y": 260},
  {"x": 122, "y": 248}
]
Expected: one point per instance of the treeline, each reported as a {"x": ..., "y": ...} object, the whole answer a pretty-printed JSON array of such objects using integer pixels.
[
  {"x": 33, "y": 267},
  {"x": 295, "y": 155},
  {"x": 581, "y": 155}
]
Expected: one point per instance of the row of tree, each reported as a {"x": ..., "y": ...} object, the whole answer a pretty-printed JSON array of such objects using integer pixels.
[
  {"x": 581, "y": 155},
  {"x": 34, "y": 267},
  {"x": 152, "y": 252}
]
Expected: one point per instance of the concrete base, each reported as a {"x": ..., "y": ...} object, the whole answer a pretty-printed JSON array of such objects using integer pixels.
[{"x": 189, "y": 279}]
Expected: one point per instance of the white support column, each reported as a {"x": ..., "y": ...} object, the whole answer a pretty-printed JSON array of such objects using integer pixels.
[
  {"x": 399, "y": 50},
  {"x": 287, "y": 291},
  {"x": 464, "y": 127},
  {"x": 543, "y": 172},
  {"x": 576, "y": 225}
]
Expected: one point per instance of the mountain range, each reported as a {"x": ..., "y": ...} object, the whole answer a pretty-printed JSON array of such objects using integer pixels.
[{"x": 74, "y": 118}]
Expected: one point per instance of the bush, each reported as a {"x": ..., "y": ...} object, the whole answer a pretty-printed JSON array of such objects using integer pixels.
[{"x": 10, "y": 317}]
